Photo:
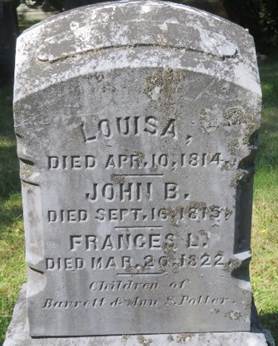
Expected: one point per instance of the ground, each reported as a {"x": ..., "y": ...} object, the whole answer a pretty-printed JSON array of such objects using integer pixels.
[{"x": 264, "y": 267}]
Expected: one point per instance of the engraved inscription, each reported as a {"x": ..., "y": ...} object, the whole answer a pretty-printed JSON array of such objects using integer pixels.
[
  {"x": 128, "y": 126},
  {"x": 138, "y": 161},
  {"x": 136, "y": 302}
]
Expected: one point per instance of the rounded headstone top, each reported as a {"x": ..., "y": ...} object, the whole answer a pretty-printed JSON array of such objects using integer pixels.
[{"x": 64, "y": 40}]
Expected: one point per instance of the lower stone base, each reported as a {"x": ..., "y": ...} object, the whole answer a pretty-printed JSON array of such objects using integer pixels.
[{"x": 18, "y": 335}]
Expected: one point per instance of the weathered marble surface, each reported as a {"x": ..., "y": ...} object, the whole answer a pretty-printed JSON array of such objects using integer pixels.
[
  {"x": 136, "y": 126},
  {"x": 18, "y": 335}
]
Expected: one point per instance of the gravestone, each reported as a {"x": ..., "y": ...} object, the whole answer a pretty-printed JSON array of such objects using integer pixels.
[{"x": 136, "y": 125}]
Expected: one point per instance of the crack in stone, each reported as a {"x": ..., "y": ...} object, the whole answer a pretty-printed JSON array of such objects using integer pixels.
[{"x": 53, "y": 59}]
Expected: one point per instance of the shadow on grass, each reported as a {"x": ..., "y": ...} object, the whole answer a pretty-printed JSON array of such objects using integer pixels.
[
  {"x": 6, "y": 309},
  {"x": 10, "y": 207},
  {"x": 269, "y": 79},
  {"x": 9, "y": 214},
  {"x": 267, "y": 157},
  {"x": 6, "y": 119},
  {"x": 9, "y": 168},
  {"x": 4, "y": 323},
  {"x": 270, "y": 322}
]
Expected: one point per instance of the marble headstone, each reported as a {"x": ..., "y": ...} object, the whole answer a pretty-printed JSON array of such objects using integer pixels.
[{"x": 136, "y": 129}]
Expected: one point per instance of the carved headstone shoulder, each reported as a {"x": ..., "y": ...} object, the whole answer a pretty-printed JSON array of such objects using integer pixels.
[{"x": 136, "y": 125}]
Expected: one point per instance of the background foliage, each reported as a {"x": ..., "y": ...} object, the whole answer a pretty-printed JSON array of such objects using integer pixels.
[{"x": 259, "y": 16}]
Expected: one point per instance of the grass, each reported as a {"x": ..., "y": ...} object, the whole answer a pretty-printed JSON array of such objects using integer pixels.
[
  {"x": 264, "y": 266},
  {"x": 12, "y": 267}
]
